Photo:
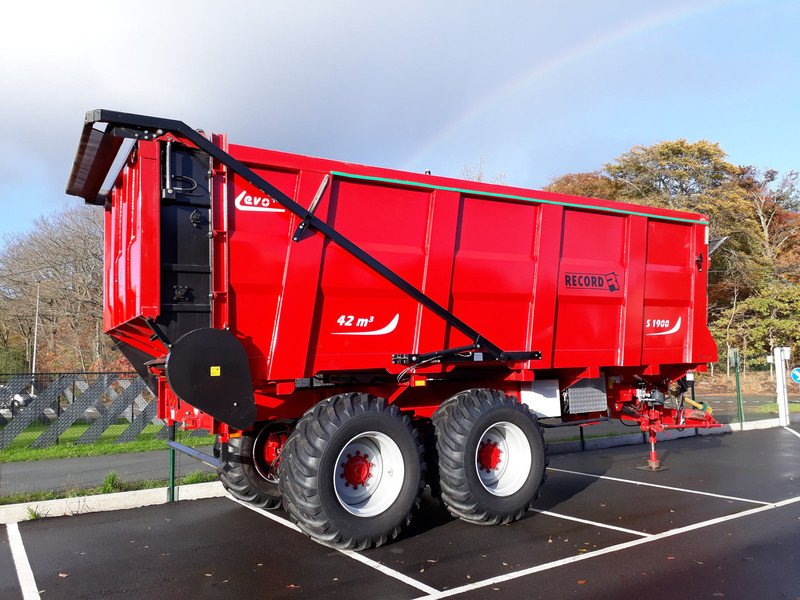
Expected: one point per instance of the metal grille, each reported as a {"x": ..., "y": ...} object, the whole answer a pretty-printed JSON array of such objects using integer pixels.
[{"x": 587, "y": 395}]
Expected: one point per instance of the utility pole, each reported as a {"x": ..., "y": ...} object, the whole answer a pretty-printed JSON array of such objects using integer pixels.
[{"x": 35, "y": 340}]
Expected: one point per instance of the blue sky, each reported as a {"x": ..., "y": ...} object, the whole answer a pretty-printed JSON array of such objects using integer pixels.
[{"x": 533, "y": 89}]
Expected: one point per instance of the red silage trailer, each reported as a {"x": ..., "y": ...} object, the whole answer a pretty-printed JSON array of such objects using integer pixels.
[{"x": 352, "y": 333}]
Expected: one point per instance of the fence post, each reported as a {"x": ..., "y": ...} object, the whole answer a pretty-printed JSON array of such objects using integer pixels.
[
  {"x": 781, "y": 357},
  {"x": 171, "y": 488},
  {"x": 739, "y": 405}
]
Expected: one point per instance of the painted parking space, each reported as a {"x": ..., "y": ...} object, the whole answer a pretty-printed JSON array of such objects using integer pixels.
[
  {"x": 9, "y": 582},
  {"x": 454, "y": 553},
  {"x": 727, "y": 511},
  {"x": 761, "y": 465},
  {"x": 197, "y": 549},
  {"x": 753, "y": 557}
]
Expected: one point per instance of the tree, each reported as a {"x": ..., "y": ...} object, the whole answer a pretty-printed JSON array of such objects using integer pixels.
[
  {"x": 593, "y": 185},
  {"x": 762, "y": 322},
  {"x": 775, "y": 203},
  {"x": 673, "y": 173},
  {"x": 60, "y": 259},
  {"x": 477, "y": 173}
]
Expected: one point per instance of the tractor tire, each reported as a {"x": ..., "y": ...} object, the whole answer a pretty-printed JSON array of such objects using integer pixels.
[
  {"x": 352, "y": 472},
  {"x": 492, "y": 456},
  {"x": 427, "y": 435},
  {"x": 245, "y": 477}
]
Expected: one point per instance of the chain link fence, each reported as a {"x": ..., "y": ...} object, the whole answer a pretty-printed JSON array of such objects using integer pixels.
[
  {"x": 101, "y": 428},
  {"x": 55, "y": 402}
]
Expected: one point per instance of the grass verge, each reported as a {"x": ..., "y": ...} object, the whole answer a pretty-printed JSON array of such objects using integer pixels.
[
  {"x": 110, "y": 485},
  {"x": 67, "y": 447},
  {"x": 772, "y": 408}
]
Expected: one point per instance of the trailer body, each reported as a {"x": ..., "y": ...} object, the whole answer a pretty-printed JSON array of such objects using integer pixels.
[{"x": 247, "y": 285}]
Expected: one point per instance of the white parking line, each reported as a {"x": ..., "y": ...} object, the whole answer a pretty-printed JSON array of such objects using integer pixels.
[
  {"x": 790, "y": 430},
  {"x": 580, "y": 557},
  {"x": 24, "y": 572},
  {"x": 349, "y": 553},
  {"x": 592, "y": 523},
  {"x": 655, "y": 485}
]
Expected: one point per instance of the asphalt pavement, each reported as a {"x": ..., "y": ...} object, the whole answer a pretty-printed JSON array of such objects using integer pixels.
[
  {"x": 722, "y": 522},
  {"x": 90, "y": 471}
]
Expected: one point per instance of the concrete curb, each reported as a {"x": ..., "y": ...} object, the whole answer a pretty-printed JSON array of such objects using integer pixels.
[
  {"x": 633, "y": 439},
  {"x": 14, "y": 513}
]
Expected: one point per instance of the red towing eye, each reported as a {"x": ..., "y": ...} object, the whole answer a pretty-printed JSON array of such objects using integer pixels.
[
  {"x": 489, "y": 455},
  {"x": 357, "y": 470}
]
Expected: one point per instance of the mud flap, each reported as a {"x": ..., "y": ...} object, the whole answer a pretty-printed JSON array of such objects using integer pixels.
[{"x": 208, "y": 368}]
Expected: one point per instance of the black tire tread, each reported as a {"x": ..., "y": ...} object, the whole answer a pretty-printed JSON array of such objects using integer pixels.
[
  {"x": 301, "y": 459},
  {"x": 240, "y": 484},
  {"x": 452, "y": 421}
]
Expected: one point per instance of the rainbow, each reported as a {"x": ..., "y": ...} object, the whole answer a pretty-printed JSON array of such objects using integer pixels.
[{"x": 650, "y": 22}]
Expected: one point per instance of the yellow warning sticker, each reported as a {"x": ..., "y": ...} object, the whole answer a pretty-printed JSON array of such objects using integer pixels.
[{"x": 216, "y": 371}]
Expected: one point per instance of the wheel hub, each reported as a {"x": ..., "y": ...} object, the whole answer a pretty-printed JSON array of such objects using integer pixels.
[
  {"x": 503, "y": 459},
  {"x": 267, "y": 453},
  {"x": 357, "y": 470},
  {"x": 489, "y": 455},
  {"x": 273, "y": 447},
  {"x": 369, "y": 473}
]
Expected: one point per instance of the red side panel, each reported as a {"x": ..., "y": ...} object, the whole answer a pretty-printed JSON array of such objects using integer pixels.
[
  {"x": 131, "y": 241},
  {"x": 669, "y": 292},
  {"x": 592, "y": 285},
  {"x": 495, "y": 266},
  {"x": 361, "y": 318}
]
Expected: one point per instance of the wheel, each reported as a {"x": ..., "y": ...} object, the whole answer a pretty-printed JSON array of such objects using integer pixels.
[
  {"x": 352, "y": 472},
  {"x": 492, "y": 457},
  {"x": 252, "y": 466}
]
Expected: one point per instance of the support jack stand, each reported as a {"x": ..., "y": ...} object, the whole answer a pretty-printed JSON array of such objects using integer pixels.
[{"x": 653, "y": 462}]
